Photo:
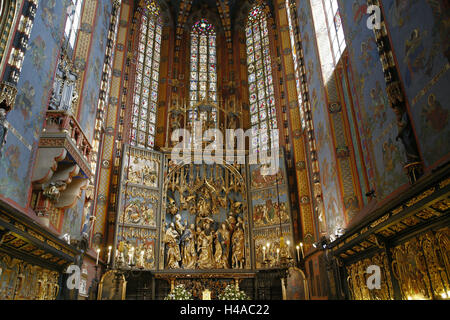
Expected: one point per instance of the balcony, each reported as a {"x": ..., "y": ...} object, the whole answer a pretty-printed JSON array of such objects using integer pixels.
[{"x": 62, "y": 169}]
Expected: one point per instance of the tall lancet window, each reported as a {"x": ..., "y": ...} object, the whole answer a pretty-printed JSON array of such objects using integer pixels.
[
  {"x": 203, "y": 78},
  {"x": 145, "y": 100},
  {"x": 329, "y": 34},
  {"x": 260, "y": 78}
]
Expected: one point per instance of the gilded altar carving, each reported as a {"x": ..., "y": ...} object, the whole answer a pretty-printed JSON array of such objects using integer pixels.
[
  {"x": 357, "y": 279},
  {"x": 140, "y": 207},
  {"x": 205, "y": 225},
  {"x": 421, "y": 266},
  {"x": 136, "y": 245},
  {"x": 20, "y": 280},
  {"x": 142, "y": 168}
]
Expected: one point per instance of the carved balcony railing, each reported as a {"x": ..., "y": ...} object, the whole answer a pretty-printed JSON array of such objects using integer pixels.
[{"x": 60, "y": 124}]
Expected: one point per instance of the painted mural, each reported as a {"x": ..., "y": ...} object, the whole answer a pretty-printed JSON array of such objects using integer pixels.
[
  {"x": 420, "y": 33},
  {"x": 260, "y": 179},
  {"x": 72, "y": 221},
  {"x": 383, "y": 154},
  {"x": 296, "y": 285},
  {"x": 94, "y": 68},
  {"x": 269, "y": 209},
  {"x": 34, "y": 86},
  {"x": 330, "y": 186}
]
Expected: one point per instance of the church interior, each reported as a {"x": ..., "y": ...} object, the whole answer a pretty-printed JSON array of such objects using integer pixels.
[{"x": 135, "y": 134}]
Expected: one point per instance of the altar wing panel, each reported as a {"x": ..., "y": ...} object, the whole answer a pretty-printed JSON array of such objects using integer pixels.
[
  {"x": 136, "y": 238},
  {"x": 270, "y": 210}
]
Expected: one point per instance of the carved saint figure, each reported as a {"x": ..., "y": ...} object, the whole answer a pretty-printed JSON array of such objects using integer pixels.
[
  {"x": 179, "y": 226},
  {"x": 171, "y": 238},
  {"x": 205, "y": 239},
  {"x": 224, "y": 238},
  {"x": 149, "y": 215},
  {"x": 238, "y": 243},
  {"x": 218, "y": 255},
  {"x": 189, "y": 252}
]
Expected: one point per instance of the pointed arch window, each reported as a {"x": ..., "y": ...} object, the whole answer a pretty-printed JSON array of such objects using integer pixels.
[
  {"x": 145, "y": 100},
  {"x": 203, "y": 76},
  {"x": 262, "y": 94}
]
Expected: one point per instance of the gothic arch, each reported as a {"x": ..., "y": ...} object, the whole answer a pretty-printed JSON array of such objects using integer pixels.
[
  {"x": 166, "y": 16},
  {"x": 212, "y": 16},
  {"x": 242, "y": 11}
]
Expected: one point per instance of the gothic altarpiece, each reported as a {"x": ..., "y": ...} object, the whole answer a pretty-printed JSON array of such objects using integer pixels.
[{"x": 203, "y": 219}]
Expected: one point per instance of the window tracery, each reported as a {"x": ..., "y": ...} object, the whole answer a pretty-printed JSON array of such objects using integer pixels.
[
  {"x": 146, "y": 88},
  {"x": 262, "y": 94}
]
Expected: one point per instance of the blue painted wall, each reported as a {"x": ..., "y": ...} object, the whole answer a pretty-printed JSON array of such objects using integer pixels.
[
  {"x": 377, "y": 125},
  {"x": 94, "y": 68},
  {"x": 420, "y": 34},
  {"x": 33, "y": 93}
]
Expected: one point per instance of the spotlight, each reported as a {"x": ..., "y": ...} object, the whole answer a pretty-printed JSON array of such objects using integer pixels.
[{"x": 321, "y": 244}]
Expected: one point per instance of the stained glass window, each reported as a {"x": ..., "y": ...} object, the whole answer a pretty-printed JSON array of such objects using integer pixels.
[
  {"x": 296, "y": 64},
  {"x": 203, "y": 78},
  {"x": 145, "y": 99},
  {"x": 262, "y": 95},
  {"x": 329, "y": 34}
]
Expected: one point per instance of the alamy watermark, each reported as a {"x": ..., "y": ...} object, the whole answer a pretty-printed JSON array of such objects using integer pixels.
[
  {"x": 374, "y": 20},
  {"x": 374, "y": 280}
]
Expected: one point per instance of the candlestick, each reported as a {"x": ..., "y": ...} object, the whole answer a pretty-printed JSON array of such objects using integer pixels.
[{"x": 98, "y": 254}]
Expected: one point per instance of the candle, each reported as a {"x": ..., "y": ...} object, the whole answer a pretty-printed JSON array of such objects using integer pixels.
[
  {"x": 264, "y": 253},
  {"x": 109, "y": 254},
  {"x": 98, "y": 254},
  {"x": 301, "y": 246},
  {"x": 298, "y": 253},
  {"x": 278, "y": 254}
]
